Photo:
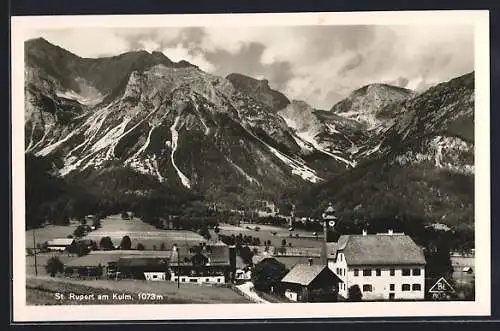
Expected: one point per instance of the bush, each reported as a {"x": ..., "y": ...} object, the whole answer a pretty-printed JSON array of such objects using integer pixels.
[
  {"x": 79, "y": 231},
  {"x": 267, "y": 274},
  {"x": 162, "y": 247},
  {"x": 354, "y": 294},
  {"x": 140, "y": 247},
  {"x": 126, "y": 243},
  {"x": 54, "y": 266},
  {"x": 106, "y": 243}
]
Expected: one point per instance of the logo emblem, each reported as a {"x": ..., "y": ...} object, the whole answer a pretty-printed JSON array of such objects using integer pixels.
[{"x": 441, "y": 289}]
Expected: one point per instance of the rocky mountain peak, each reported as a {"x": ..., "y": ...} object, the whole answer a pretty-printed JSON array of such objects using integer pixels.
[
  {"x": 370, "y": 104},
  {"x": 259, "y": 90}
]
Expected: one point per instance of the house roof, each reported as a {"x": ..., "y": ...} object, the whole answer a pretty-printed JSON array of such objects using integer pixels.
[
  {"x": 60, "y": 242},
  {"x": 291, "y": 261},
  {"x": 304, "y": 274},
  {"x": 259, "y": 258},
  {"x": 95, "y": 258},
  {"x": 141, "y": 261},
  {"x": 380, "y": 249}
]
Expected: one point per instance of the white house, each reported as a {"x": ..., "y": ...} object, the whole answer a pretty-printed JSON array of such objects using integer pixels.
[
  {"x": 59, "y": 244},
  {"x": 385, "y": 266},
  {"x": 243, "y": 274},
  {"x": 156, "y": 276}
]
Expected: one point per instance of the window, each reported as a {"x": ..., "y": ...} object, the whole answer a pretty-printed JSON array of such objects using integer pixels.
[
  {"x": 416, "y": 287},
  {"x": 218, "y": 280},
  {"x": 356, "y": 272},
  {"x": 340, "y": 256},
  {"x": 378, "y": 272},
  {"x": 391, "y": 287},
  {"x": 392, "y": 296},
  {"x": 406, "y": 272},
  {"x": 193, "y": 280},
  {"x": 367, "y": 272},
  {"x": 393, "y": 272},
  {"x": 207, "y": 279},
  {"x": 405, "y": 287},
  {"x": 338, "y": 271},
  {"x": 367, "y": 288},
  {"x": 416, "y": 272}
]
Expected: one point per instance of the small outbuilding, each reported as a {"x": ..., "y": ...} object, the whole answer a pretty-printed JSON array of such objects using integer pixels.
[
  {"x": 311, "y": 283},
  {"x": 60, "y": 244}
]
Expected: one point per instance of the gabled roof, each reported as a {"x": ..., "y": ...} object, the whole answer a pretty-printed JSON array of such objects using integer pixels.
[
  {"x": 60, "y": 242},
  {"x": 304, "y": 274},
  {"x": 141, "y": 261},
  {"x": 380, "y": 249},
  {"x": 259, "y": 258},
  {"x": 95, "y": 258}
]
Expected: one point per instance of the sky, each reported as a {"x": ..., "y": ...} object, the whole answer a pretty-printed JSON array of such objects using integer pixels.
[{"x": 317, "y": 64}]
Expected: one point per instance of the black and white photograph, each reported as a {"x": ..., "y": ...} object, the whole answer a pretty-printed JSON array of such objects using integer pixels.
[{"x": 257, "y": 166}]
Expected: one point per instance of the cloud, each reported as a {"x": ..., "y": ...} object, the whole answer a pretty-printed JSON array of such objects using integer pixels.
[
  {"x": 179, "y": 53},
  {"x": 318, "y": 64},
  {"x": 90, "y": 42}
]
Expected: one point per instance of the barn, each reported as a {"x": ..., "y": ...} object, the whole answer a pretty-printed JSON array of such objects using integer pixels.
[{"x": 311, "y": 283}]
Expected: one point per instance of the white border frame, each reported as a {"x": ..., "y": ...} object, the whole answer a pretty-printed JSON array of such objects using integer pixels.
[{"x": 479, "y": 307}]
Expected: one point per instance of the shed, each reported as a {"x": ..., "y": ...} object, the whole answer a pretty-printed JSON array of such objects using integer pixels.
[
  {"x": 60, "y": 244},
  {"x": 311, "y": 283}
]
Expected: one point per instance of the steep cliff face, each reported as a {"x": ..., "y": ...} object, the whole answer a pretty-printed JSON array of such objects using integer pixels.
[
  {"x": 421, "y": 166},
  {"x": 177, "y": 125},
  {"x": 320, "y": 130},
  {"x": 259, "y": 90},
  {"x": 437, "y": 127},
  {"x": 372, "y": 105},
  {"x": 139, "y": 120}
]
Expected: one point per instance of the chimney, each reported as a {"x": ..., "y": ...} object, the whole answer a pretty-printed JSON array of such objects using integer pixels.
[
  {"x": 390, "y": 231},
  {"x": 310, "y": 261},
  {"x": 365, "y": 232}
]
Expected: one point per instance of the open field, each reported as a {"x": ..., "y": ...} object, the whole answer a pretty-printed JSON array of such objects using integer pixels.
[
  {"x": 47, "y": 233},
  {"x": 140, "y": 232},
  {"x": 42, "y": 290},
  {"x": 305, "y": 239},
  {"x": 41, "y": 260},
  {"x": 460, "y": 276}
]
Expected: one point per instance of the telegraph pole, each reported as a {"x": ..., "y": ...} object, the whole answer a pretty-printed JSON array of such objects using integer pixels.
[
  {"x": 179, "y": 272},
  {"x": 34, "y": 252}
]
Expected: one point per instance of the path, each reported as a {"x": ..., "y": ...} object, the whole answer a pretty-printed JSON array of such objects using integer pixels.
[{"x": 247, "y": 290}]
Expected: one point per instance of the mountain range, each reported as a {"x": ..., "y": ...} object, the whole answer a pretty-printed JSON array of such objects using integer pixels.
[{"x": 137, "y": 121}]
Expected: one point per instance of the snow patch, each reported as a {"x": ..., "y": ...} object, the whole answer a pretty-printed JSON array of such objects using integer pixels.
[
  {"x": 241, "y": 171},
  {"x": 175, "y": 136},
  {"x": 87, "y": 101},
  {"x": 299, "y": 167},
  {"x": 331, "y": 128},
  {"x": 303, "y": 144},
  {"x": 146, "y": 144},
  {"x": 48, "y": 149},
  {"x": 305, "y": 136},
  {"x": 147, "y": 166},
  {"x": 31, "y": 138}
]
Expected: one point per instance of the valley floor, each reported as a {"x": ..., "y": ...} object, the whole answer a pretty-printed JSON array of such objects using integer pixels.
[{"x": 45, "y": 290}]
